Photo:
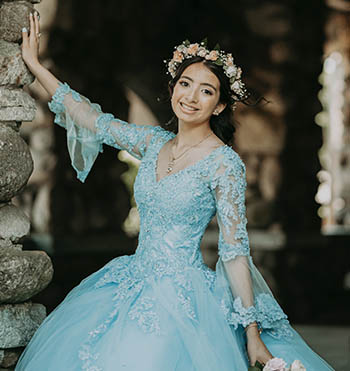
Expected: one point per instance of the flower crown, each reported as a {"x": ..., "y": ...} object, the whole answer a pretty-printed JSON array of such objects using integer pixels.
[{"x": 219, "y": 57}]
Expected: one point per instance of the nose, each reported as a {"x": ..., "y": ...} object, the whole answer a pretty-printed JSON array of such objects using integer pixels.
[{"x": 192, "y": 96}]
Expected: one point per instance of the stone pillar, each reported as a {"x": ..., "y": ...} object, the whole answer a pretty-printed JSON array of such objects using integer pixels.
[
  {"x": 334, "y": 190},
  {"x": 22, "y": 273}
]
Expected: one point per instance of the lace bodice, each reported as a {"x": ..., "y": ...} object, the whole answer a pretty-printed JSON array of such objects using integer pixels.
[{"x": 174, "y": 214}]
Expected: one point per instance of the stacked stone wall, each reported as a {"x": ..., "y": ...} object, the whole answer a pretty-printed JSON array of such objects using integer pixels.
[{"x": 22, "y": 273}]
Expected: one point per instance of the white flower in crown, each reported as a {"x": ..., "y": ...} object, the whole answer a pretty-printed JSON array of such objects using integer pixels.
[
  {"x": 219, "y": 57},
  {"x": 231, "y": 71},
  {"x": 236, "y": 87},
  {"x": 181, "y": 48},
  {"x": 202, "y": 52}
]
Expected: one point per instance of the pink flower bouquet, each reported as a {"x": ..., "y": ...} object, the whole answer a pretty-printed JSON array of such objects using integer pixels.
[{"x": 277, "y": 364}]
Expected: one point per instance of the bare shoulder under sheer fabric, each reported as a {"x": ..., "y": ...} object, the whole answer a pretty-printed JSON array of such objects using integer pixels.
[{"x": 162, "y": 308}]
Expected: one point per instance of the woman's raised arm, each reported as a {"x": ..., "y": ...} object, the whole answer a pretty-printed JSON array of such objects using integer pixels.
[{"x": 87, "y": 126}]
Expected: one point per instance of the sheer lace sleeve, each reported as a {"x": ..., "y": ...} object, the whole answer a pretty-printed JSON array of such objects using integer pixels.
[
  {"x": 243, "y": 293},
  {"x": 88, "y": 128}
]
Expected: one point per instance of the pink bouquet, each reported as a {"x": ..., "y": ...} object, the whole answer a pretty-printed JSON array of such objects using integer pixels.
[{"x": 277, "y": 364}]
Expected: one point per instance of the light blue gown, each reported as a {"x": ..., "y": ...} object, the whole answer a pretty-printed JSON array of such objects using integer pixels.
[{"x": 163, "y": 309}]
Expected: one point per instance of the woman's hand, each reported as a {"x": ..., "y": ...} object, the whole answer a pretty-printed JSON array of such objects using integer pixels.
[
  {"x": 30, "y": 44},
  {"x": 30, "y": 55},
  {"x": 257, "y": 350}
]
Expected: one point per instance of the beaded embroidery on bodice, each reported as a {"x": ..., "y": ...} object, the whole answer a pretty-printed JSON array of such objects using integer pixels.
[
  {"x": 178, "y": 207},
  {"x": 192, "y": 163}
]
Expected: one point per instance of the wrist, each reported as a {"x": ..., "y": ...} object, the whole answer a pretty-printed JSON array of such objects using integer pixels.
[
  {"x": 252, "y": 330},
  {"x": 34, "y": 66},
  {"x": 253, "y": 333}
]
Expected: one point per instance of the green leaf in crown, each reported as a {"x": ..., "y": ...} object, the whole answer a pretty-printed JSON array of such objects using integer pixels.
[
  {"x": 204, "y": 42},
  {"x": 219, "y": 62}
]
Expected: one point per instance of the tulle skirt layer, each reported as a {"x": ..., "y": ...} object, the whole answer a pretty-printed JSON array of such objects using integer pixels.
[{"x": 151, "y": 328}]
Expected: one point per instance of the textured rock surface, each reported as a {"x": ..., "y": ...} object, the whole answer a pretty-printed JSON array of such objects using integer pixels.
[
  {"x": 16, "y": 163},
  {"x": 12, "y": 68},
  {"x": 14, "y": 16},
  {"x": 14, "y": 125},
  {"x": 14, "y": 224},
  {"x": 16, "y": 105},
  {"x": 23, "y": 274},
  {"x": 7, "y": 244},
  {"x": 10, "y": 357},
  {"x": 18, "y": 322}
]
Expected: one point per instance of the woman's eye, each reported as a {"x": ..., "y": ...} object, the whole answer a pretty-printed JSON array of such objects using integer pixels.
[
  {"x": 184, "y": 83},
  {"x": 208, "y": 92}
]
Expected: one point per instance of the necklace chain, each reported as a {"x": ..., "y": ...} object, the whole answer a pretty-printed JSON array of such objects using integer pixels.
[{"x": 173, "y": 159}]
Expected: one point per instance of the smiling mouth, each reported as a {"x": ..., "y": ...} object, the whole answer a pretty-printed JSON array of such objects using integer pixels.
[{"x": 188, "y": 108}]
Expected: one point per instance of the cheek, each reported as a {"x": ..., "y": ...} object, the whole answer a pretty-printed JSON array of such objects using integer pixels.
[
  {"x": 177, "y": 91},
  {"x": 213, "y": 101},
  {"x": 176, "y": 96},
  {"x": 210, "y": 102},
  {"x": 173, "y": 100}
]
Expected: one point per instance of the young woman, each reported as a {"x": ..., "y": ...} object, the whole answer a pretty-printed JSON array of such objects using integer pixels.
[{"x": 163, "y": 309}]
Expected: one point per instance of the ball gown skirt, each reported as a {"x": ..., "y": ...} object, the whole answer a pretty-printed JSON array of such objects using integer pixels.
[
  {"x": 162, "y": 308},
  {"x": 147, "y": 326}
]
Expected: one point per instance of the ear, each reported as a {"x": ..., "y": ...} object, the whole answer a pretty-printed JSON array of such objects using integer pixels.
[{"x": 220, "y": 107}]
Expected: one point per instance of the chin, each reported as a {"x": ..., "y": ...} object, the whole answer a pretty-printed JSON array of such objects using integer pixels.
[{"x": 193, "y": 119}]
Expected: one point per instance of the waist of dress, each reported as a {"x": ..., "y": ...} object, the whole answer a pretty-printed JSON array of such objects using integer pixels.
[{"x": 152, "y": 263}]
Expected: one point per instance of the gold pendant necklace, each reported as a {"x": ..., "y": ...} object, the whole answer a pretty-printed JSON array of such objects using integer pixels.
[{"x": 173, "y": 159}]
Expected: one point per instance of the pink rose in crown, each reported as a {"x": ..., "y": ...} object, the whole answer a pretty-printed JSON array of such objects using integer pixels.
[
  {"x": 212, "y": 56},
  {"x": 192, "y": 49},
  {"x": 275, "y": 364},
  {"x": 229, "y": 61},
  {"x": 178, "y": 56},
  {"x": 297, "y": 366}
]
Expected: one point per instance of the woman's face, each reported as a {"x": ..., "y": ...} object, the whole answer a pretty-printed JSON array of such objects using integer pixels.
[{"x": 196, "y": 95}]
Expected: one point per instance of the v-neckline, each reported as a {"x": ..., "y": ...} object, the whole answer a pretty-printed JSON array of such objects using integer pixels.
[{"x": 156, "y": 155}]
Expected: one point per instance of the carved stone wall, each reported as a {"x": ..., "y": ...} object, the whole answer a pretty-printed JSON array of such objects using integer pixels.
[
  {"x": 334, "y": 190},
  {"x": 22, "y": 273}
]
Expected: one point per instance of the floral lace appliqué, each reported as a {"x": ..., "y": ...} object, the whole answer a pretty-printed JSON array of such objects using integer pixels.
[
  {"x": 266, "y": 311},
  {"x": 146, "y": 318}
]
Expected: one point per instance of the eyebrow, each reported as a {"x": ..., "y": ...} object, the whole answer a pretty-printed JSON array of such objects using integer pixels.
[{"x": 204, "y": 83}]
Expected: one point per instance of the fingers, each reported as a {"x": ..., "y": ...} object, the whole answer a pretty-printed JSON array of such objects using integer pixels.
[
  {"x": 36, "y": 23},
  {"x": 31, "y": 27},
  {"x": 25, "y": 36}
]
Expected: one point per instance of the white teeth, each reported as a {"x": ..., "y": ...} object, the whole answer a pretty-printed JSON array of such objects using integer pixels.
[{"x": 188, "y": 107}]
